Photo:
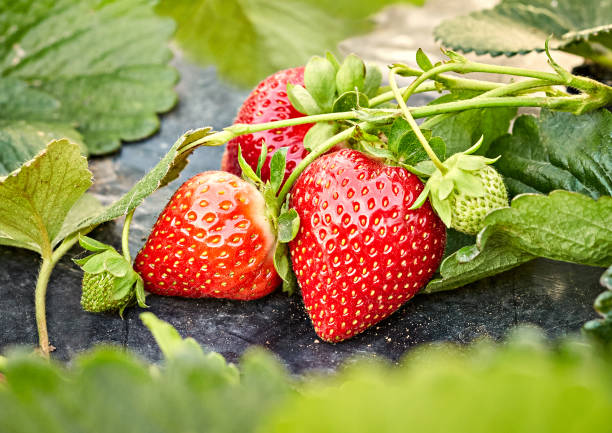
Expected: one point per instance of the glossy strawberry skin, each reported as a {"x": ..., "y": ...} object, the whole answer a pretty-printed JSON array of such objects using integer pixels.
[
  {"x": 360, "y": 253},
  {"x": 267, "y": 103},
  {"x": 213, "y": 239}
]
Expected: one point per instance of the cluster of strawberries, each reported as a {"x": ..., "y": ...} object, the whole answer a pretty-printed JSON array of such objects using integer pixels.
[{"x": 354, "y": 232}]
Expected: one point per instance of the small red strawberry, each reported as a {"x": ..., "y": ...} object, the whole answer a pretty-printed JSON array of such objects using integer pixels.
[
  {"x": 360, "y": 253},
  {"x": 269, "y": 102},
  {"x": 213, "y": 239}
]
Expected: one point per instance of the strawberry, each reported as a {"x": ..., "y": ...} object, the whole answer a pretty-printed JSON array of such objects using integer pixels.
[
  {"x": 213, "y": 239},
  {"x": 269, "y": 102},
  {"x": 360, "y": 253}
]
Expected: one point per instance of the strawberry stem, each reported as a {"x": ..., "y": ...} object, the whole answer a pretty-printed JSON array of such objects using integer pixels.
[
  {"x": 40, "y": 295},
  {"x": 400, "y": 100},
  {"x": 125, "y": 235}
]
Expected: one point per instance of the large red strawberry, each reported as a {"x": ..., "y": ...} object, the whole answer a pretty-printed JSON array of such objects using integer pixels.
[
  {"x": 213, "y": 239},
  {"x": 267, "y": 103},
  {"x": 360, "y": 253}
]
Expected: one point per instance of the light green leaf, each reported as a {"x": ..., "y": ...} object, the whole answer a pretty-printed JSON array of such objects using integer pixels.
[
  {"x": 423, "y": 61},
  {"x": 37, "y": 198},
  {"x": 558, "y": 151},
  {"x": 265, "y": 36},
  {"x": 350, "y": 101},
  {"x": 288, "y": 225},
  {"x": 169, "y": 340},
  {"x": 573, "y": 26},
  {"x": 320, "y": 80},
  {"x": 564, "y": 226},
  {"x": 277, "y": 168},
  {"x": 282, "y": 264},
  {"x": 302, "y": 100},
  {"x": 99, "y": 68},
  {"x": 318, "y": 133},
  {"x": 351, "y": 75},
  {"x": 373, "y": 79}
]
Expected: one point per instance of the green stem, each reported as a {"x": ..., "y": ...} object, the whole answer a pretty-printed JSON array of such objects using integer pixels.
[
  {"x": 320, "y": 150},
  {"x": 398, "y": 96},
  {"x": 125, "y": 236},
  {"x": 40, "y": 295}
]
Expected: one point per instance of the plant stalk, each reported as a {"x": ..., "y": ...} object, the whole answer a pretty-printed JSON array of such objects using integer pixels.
[
  {"x": 125, "y": 236},
  {"x": 40, "y": 295}
]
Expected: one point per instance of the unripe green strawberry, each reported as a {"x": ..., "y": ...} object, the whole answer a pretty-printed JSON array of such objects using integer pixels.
[
  {"x": 98, "y": 292},
  {"x": 109, "y": 282},
  {"x": 468, "y": 212}
]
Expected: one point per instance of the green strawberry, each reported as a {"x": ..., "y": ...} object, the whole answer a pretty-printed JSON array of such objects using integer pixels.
[
  {"x": 109, "y": 282},
  {"x": 465, "y": 192}
]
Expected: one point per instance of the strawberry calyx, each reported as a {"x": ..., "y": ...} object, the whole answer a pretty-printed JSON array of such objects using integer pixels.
[{"x": 109, "y": 282}]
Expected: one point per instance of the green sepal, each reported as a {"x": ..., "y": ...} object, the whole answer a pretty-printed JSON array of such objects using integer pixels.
[
  {"x": 97, "y": 262},
  {"x": 465, "y": 162},
  {"x": 140, "y": 292},
  {"x": 442, "y": 208},
  {"x": 288, "y": 225},
  {"x": 467, "y": 183},
  {"x": 376, "y": 152},
  {"x": 277, "y": 168},
  {"x": 455, "y": 57},
  {"x": 351, "y": 74},
  {"x": 423, "y": 61},
  {"x": 603, "y": 303},
  {"x": 318, "y": 134},
  {"x": 117, "y": 265},
  {"x": 263, "y": 154},
  {"x": 373, "y": 79},
  {"x": 474, "y": 147},
  {"x": 123, "y": 286},
  {"x": 375, "y": 115},
  {"x": 302, "y": 100},
  {"x": 282, "y": 264},
  {"x": 247, "y": 171},
  {"x": 333, "y": 60},
  {"x": 320, "y": 81},
  {"x": 427, "y": 168},
  {"x": 445, "y": 188},
  {"x": 93, "y": 245},
  {"x": 350, "y": 100},
  {"x": 421, "y": 198}
]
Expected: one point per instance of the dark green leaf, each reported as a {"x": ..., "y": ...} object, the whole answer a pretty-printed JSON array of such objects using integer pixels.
[
  {"x": 99, "y": 68},
  {"x": 558, "y": 151},
  {"x": 317, "y": 134},
  {"x": 519, "y": 26},
  {"x": 461, "y": 130},
  {"x": 497, "y": 256},
  {"x": 423, "y": 61},
  {"x": 351, "y": 76},
  {"x": 350, "y": 101},
  {"x": 288, "y": 225},
  {"x": 320, "y": 81},
  {"x": 564, "y": 226},
  {"x": 302, "y": 100}
]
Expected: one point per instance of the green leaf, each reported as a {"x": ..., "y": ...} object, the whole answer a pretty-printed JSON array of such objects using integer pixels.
[
  {"x": 318, "y": 134},
  {"x": 461, "y": 130},
  {"x": 572, "y": 26},
  {"x": 496, "y": 257},
  {"x": 558, "y": 151},
  {"x": 169, "y": 340},
  {"x": 99, "y": 68},
  {"x": 277, "y": 168},
  {"x": 288, "y": 225},
  {"x": 320, "y": 81},
  {"x": 266, "y": 35},
  {"x": 564, "y": 226},
  {"x": 404, "y": 143},
  {"x": 350, "y": 101},
  {"x": 423, "y": 61},
  {"x": 38, "y": 197},
  {"x": 91, "y": 244},
  {"x": 351, "y": 75},
  {"x": 302, "y": 100},
  {"x": 606, "y": 278},
  {"x": 282, "y": 264},
  {"x": 262, "y": 159},
  {"x": 117, "y": 266}
]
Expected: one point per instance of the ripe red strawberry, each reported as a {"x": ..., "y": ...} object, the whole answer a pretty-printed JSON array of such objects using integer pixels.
[
  {"x": 360, "y": 253},
  {"x": 267, "y": 103},
  {"x": 213, "y": 239}
]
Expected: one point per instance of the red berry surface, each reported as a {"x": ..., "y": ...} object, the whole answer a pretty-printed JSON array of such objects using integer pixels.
[
  {"x": 213, "y": 239},
  {"x": 267, "y": 103},
  {"x": 360, "y": 253}
]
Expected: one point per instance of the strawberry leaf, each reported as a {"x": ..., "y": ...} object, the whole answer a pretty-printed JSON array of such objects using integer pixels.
[
  {"x": 288, "y": 225},
  {"x": 350, "y": 101},
  {"x": 38, "y": 197},
  {"x": 351, "y": 75},
  {"x": 277, "y": 168},
  {"x": 318, "y": 134},
  {"x": 373, "y": 79},
  {"x": 302, "y": 100},
  {"x": 104, "y": 76},
  {"x": 557, "y": 151},
  {"x": 320, "y": 80},
  {"x": 575, "y": 27}
]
